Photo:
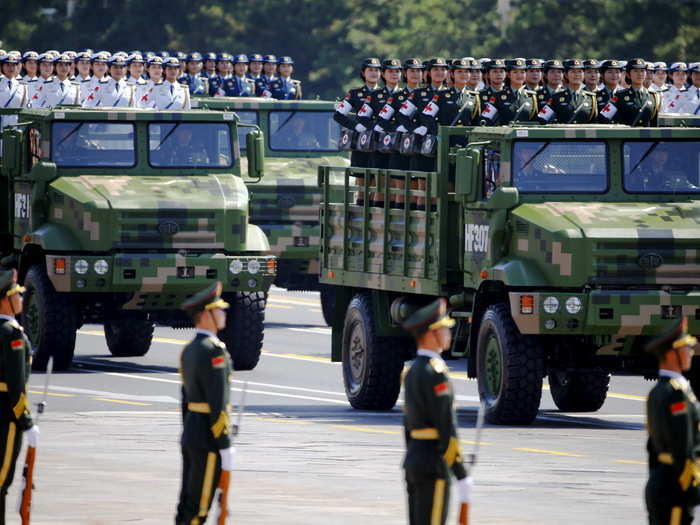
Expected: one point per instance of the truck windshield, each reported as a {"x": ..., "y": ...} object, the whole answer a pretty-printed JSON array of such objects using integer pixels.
[
  {"x": 560, "y": 167},
  {"x": 246, "y": 117},
  {"x": 93, "y": 144},
  {"x": 303, "y": 131},
  {"x": 189, "y": 145},
  {"x": 661, "y": 167}
]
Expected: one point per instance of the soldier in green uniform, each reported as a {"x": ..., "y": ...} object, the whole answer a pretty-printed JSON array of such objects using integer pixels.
[
  {"x": 573, "y": 104},
  {"x": 430, "y": 423},
  {"x": 637, "y": 105},
  {"x": 606, "y": 96},
  {"x": 533, "y": 75},
  {"x": 553, "y": 77},
  {"x": 15, "y": 365},
  {"x": 205, "y": 368},
  {"x": 513, "y": 103},
  {"x": 674, "y": 438},
  {"x": 495, "y": 81},
  {"x": 469, "y": 102}
]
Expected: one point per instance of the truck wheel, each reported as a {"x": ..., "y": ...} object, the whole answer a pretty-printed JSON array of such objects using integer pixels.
[
  {"x": 510, "y": 368},
  {"x": 128, "y": 337},
  {"x": 371, "y": 365},
  {"x": 327, "y": 303},
  {"x": 582, "y": 390},
  {"x": 49, "y": 319},
  {"x": 245, "y": 327}
]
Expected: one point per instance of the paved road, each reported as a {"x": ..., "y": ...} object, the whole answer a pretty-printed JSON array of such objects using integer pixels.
[{"x": 109, "y": 450}]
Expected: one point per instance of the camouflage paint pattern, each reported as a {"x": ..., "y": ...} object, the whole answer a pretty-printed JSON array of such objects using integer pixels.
[
  {"x": 164, "y": 233},
  {"x": 286, "y": 201}
]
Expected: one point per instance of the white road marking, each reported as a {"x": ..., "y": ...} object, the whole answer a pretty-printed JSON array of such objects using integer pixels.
[
  {"x": 317, "y": 331},
  {"x": 114, "y": 395}
]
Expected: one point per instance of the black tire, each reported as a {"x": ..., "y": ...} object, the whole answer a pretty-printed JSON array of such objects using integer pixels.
[
  {"x": 49, "y": 319},
  {"x": 582, "y": 390},
  {"x": 510, "y": 368},
  {"x": 128, "y": 337},
  {"x": 372, "y": 365},
  {"x": 327, "y": 303},
  {"x": 245, "y": 328}
]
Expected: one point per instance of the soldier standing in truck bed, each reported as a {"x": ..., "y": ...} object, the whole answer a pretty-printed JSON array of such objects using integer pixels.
[
  {"x": 430, "y": 423},
  {"x": 674, "y": 438}
]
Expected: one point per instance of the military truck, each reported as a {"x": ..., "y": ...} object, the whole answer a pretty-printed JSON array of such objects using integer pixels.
[
  {"x": 118, "y": 215},
  {"x": 299, "y": 137},
  {"x": 561, "y": 250}
]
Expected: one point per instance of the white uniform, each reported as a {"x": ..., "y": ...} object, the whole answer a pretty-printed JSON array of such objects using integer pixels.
[
  {"x": 38, "y": 91},
  {"x": 84, "y": 84},
  {"x": 32, "y": 84},
  {"x": 170, "y": 95},
  {"x": 110, "y": 93},
  {"x": 672, "y": 99},
  {"x": 691, "y": 101},
  {"x": 13, "y": 94},
  {"x": 141, "y": 88},
  {"x": 56, "y": 92}
]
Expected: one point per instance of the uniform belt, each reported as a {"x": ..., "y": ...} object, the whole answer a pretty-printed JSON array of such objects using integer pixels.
[
  {"x": 665, "y": 458},
  {"x": 3, "y": 387},
  {"x": 202, "y": 408},
  {"x": 425, "y": 433}
]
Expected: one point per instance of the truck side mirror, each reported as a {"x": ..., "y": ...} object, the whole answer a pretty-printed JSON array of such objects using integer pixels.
[
  {"x": 467, "y": 171},
  {"x": 503, "y": 198},
  {"x": 255, "y": 152},
  {"x": 11, "y": 151}
]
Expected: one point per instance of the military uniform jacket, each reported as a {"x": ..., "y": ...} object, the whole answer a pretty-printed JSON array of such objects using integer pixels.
[
  {"x": 13, "y": 94},
  {"x": 638, "y": 107},
  {"x": 508, "y": 105},
  {"x": 346, "y": 110},
  {"x": 606, "y": 100},
  {"x": 410, "y": 111},
  {"x": 32, "y": 84},
  {"x": 691, "y": 101},
  {"x": 205, "y": 368},
  {"x": 674, "y": 443},
  {"x": 285, "y": 89},
  {"x": 442, "y": 110},
  {"x": 173, "y": 96},
  {"x": 110, "y": 93},
  {"x": 197, "y": 84},
  {"x": 673, "y": 99},
  {"x": 141, "y": 88},
  {"x": 469, "y": 108},
  {"x": 432, "y": 445},
  {"x": 369, "y": 113},
  {"x": 569, "y": 107},
  {"x": 386, "y": 116},
  {"x": 15, "y": 365},
  {"x": 57, "y": 92}
]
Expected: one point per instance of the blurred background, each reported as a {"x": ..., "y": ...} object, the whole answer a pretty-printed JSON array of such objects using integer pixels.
[{"x": 328, "y": 39}]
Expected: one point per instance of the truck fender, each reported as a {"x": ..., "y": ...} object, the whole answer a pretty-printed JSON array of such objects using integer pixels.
[
  {"x": 256, "y": 240},
  {"x": 489, "y": 293}
]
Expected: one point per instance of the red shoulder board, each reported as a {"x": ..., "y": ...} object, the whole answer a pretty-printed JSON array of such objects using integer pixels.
[
  {"x": 442, "y": 388},
  {"x": 614, "y": 99},
  {"x": 17, "y": 343},
  {"x": 678, "y": 408},
  {"x": 389, "y": 100},
  {"x": 218, "y": 362},
  {"x": 412, "y": 96},
  {"x": 492, "y": 99},
  {"x": 550, "y": 101},
  {"x": 436, "y": 97},
  {"x": 348, "y": 95}
]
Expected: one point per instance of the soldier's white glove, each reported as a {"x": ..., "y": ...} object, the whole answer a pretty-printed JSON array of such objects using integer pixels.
[
  {"x": 227, "y": 455},
  {"x": 420, "y": 130},
  {"x": 360, "y": 128},
  {"x": 464, "y": 489},
  {"x": 32, "y": 436},
  {"x": 401, "y": 129},
  {"x": 378, "y": 128}
]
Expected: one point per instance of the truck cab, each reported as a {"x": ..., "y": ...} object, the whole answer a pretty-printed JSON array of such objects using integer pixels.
[
  {"x": 119, "y": 215},
  {"x": 299, "y": 136},
  {"x": 561, "y": 249}
]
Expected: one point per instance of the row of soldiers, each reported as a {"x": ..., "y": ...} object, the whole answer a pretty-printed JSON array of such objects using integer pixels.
[{"x": 121, "y": 80}]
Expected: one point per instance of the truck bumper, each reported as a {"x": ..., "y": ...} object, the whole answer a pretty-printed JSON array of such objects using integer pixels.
[
  {"x": 608, "y": 312},
  {"x": 167, "y": 273}
]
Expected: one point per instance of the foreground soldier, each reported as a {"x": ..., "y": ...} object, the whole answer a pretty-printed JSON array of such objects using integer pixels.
[
  {"x": 674, "y": 438},
  {"x": 15, "y": 363},
  {"x": 638, "y": 106},
  {"x": 206, "y": 370},
  {"x": 430, "y": 421}
]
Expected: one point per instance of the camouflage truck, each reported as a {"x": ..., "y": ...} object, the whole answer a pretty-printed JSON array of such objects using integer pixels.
[
  {"x": 561, "y": 250},
  {"x": 117, "y": 216},
  {"x": 299, "y": 137}
]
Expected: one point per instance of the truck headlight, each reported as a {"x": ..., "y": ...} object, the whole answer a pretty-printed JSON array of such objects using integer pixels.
[
  {"x": 573, "y": 305},
  {"x": 235, "y": 267},
  {"x": 551, "y": 305},
  {"x": 101, "y": 267},
  {"x": 253, "y": 266},
  {"x": 81, "y": 266}
]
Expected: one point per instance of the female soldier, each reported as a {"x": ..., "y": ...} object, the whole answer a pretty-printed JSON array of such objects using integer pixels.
[
  {"x": 495, "y": 80},
  {"x": 154, "y": 68},
  {"x": 591, "y": 74},
  {"x": 606, "y": 96},
  {"x": 347, "y": 115},
  {"x": 533, "y": 73},
  {"x": 637, "y": 105},
  {"x": 514, "y": 103},
  {"x": 553, "y": 77},
  {"x": 572, "y": 105}
]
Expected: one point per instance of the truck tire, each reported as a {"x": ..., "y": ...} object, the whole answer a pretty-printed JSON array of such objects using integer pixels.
[
  {"x": 510, "y": 368},
  {"x": 582, "y": 390},
  {"x": 245, "y": 327},
  {"x": 49, "y": 319},
  {"x": 128, "y": 337},
  {"x": 371, "y": 365},
  {"x": 327, "y": 303}
]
